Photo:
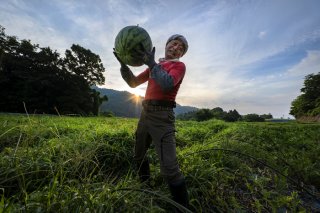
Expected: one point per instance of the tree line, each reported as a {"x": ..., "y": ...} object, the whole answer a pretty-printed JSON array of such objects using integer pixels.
[
  {"x": 308, "y": 102},
  {"x": 39, "y": 80},
  {"x": 218, "y": 113}
]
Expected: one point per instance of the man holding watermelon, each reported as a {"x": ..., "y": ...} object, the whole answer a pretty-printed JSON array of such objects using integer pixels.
[{"x": 157, "y": 120}]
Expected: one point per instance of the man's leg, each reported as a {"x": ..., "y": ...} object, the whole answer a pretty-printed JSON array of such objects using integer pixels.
[
  {"x": 143, "y": 141},
  {"x": 171, "y": 171},
  {"x": 163, "y": 135},
  {"x": 179, "y": 192}
]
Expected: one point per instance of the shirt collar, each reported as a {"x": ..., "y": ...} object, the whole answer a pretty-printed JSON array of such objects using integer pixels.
[{"x": 163, "y": 59}]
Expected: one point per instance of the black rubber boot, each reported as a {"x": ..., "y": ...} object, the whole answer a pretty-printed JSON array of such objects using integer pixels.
[
  {"x": 179, "y": 193},
  {"x": 144, "y": 171}
]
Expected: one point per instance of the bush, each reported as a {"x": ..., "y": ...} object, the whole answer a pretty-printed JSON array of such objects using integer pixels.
[{"x": 253, "y": 118}]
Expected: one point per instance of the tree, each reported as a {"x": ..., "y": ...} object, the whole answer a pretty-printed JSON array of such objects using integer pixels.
[
  {"x": 41, "y": 80},
  {"x": 218, "y": 113},
  {"x": 203, "y": 115},
  {"x": 15, "y": 72},
  {"x": 266, "y": 116},
  {"x": 253, "y": 118},
  {"x": 97, "y": 101},
  {"x": 83, "y": 62},
  {"x": 2, "y": 45},
  {"x": 232, "y": 116},
  {"x": 308, "y": 103}
]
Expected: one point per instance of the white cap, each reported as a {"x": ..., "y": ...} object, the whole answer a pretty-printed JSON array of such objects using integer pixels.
[{"x": 180, "y": 38}]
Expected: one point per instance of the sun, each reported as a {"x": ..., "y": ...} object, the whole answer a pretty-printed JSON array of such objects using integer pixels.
[
  {"x": 138, "y": 93},
  {"x": 136, "y": 97}
]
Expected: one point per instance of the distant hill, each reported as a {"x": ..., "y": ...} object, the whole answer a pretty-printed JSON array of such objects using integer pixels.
[{"x": 126, "y": 104}]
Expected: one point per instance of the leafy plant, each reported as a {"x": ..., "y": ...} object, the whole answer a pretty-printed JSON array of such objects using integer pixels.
[{"x": 76, "y": 164}]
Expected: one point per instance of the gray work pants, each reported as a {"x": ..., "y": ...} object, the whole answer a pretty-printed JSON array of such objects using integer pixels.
[{"x": 158, "y": 127}]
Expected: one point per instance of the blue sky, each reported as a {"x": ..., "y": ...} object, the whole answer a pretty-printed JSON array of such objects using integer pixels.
[{"x": 248, "y": 55}]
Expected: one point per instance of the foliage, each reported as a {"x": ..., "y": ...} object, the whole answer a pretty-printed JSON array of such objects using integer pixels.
[
  {"x": 308, "y": 103},
  {"x": 219, "y": 114},
  {"x": 232, "y": 116},
  {"x": 83, "y": 164},
  {"x": 203, "y": 114},
  {"x": 38, "y": 80},
  {"x": 253, "y": 118},
  {"x": 266, "y": 116},
  {"x": 84, "y": 63}
]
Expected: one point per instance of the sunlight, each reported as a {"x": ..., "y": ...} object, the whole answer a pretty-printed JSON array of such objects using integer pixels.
[
  {"x": 136, "y": 92},
  {"x": 136, "y": 97},
  {"x": 136, "y": 100}
]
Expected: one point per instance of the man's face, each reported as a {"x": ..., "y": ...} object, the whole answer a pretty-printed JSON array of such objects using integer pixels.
[{"x": 174, "y": 49}]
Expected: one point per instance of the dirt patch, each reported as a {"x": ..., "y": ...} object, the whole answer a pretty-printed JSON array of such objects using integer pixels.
[{"x": 309, "y": 118}]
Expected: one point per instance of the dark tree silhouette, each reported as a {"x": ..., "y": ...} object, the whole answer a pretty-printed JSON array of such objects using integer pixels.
[{"x": 40, "y": 81}]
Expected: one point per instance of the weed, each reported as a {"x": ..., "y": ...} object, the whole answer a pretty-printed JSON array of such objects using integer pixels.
[{"x": 84, "y": 164}]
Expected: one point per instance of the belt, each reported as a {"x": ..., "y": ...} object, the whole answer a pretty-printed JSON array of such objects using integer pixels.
[{"x": 158, "y": 105}]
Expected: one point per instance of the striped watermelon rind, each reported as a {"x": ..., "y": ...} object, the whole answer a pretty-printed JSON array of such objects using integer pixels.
[{"x": 127, "y": 43}]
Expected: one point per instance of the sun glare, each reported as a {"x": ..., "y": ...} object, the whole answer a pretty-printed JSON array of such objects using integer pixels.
[
  {"x": 136, "y": 92},
  {"x": 136, "y": 96}
]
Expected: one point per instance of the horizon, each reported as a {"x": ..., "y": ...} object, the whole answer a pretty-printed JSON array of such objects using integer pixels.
[
  {"x": 251, "y": 56},
  {"x": 136, "y": 98}
]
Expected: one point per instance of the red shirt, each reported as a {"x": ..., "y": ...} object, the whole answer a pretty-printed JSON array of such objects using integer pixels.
[{"x": 176, "y": 70}]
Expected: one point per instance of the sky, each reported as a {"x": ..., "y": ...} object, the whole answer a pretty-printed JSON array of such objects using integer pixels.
[{"x": 248, "y": 55}]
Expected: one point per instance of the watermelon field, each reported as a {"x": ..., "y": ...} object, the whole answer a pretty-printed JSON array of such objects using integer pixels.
[{"x": 84, "y": 164}]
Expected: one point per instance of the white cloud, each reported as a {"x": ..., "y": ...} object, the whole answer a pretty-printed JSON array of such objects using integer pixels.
[
  {"x": 308, "y": 65},
  {"x": 262, "y": 34}
]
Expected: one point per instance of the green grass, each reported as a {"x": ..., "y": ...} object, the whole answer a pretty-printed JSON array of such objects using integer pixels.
[{"x": 68, "y": 164}]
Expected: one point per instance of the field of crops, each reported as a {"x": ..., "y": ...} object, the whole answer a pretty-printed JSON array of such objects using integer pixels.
[{"x": 77, "y": 164}]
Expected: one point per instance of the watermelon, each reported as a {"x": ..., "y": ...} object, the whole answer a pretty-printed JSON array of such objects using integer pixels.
[{"x": 128, "y": 43}]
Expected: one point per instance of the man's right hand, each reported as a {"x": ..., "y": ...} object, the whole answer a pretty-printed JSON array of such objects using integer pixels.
[{"x": 124, "y": 67}]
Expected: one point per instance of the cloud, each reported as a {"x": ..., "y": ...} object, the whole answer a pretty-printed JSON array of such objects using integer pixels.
[
  {"x": 308, "y": 65},
  {"x": 20, "y": 20},
  {"x": 231, "y": 43},
  {"x": 262, "y": 34}
]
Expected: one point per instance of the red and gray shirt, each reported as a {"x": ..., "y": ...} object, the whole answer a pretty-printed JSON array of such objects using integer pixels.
[{"x": 163, "y": 80}]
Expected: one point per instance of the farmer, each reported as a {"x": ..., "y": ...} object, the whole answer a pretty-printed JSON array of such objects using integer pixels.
[{"x": 157, "y": 120}]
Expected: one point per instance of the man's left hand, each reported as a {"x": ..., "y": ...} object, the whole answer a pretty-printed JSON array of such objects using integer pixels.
[{"x": 147, "y": 57}]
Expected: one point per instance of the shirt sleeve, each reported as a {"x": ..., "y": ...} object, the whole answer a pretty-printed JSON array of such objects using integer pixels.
[
  {"x": 169, "y": 77},
  {"x": 143, "y": 77},
  {"x": 131, "y": 79},
  {"x": 162, "y": 77},
  {"x": 177, "y": 72}
]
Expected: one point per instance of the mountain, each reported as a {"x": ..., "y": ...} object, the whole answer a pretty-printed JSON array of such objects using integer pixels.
[{"x": 126, "y": 104}]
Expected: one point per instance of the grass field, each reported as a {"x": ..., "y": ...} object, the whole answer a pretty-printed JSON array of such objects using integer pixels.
[{"x": 84, "y": 164}]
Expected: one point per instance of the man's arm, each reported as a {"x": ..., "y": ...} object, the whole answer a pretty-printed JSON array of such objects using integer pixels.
[
  {"x": 128, "y": 76},
  {"x": 126, "y": 73},
  {"x": 164, "y": 79}
]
